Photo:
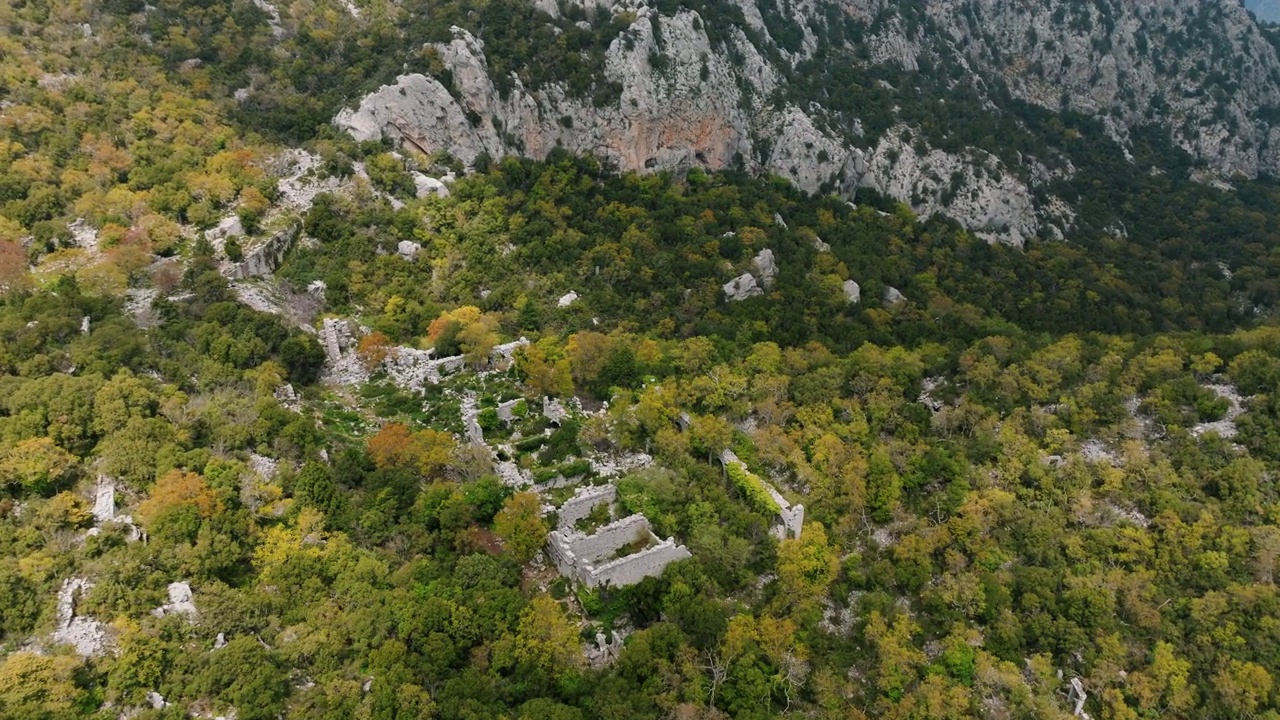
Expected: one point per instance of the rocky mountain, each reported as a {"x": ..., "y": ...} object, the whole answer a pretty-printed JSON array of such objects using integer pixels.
[{"x": 807, "y": 90}]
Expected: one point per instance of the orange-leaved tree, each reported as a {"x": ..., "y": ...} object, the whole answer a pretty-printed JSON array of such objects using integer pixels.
[
  {"x": 427, "y": 452},
  {"x": 178, "y": 503}
]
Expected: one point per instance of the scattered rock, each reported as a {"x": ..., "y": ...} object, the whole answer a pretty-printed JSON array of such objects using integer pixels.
[
  {"x": 273, "y": 17},
  {"x": 265, "y": 467},
  {"x": 408, "y": 250},
  {"x": 181, "y": 602},
  {"x": 567, "y": 299},
  {"x": 83, "y": 235},
  {"x": 1226, "y": 427},
  {"x": 892, "y": 296}
]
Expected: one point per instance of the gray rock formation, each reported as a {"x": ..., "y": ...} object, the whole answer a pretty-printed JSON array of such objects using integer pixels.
[
  {"x": 766, "y": 266},
  {"x": 428, "y": 186},
  {"x": 181, "y": 602},
  {"x": 408, "y": 250},
  {"x": 742, "y": 287},
  {"x": 690, "y": 100},
  {"x": 852, "y": 291},
  {"x": 104, "y": 500},
  {"x": 1135, "y": 63}
]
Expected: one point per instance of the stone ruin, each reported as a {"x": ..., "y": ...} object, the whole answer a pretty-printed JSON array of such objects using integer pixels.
[
  {"x": 336, "y": 338},
  {"x": 407, "y": 367},
  {"x": 790, "y": 518},
  {"x": 553, "y": 410},
  {"x": 1077, "y": 697},
  {"x": 86, "y": 635},
  {"x": 506, "y": 352},
  {"x": 584, "y": 501},
  {"x": 591, "y": 559},
  {"x": 264, "y": 259},
  {"x": 104, "y": 510},
  {"x": 414, "y": 369},
  {"x": 507, "y": 410}
]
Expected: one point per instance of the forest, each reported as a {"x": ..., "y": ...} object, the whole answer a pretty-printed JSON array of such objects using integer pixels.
[{"x": 1032, "y": 477}]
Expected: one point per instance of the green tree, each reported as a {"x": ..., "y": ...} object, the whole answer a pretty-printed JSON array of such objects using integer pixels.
[
  {"x": 520, "y": 525},
  {"x": 35, "y": 464},
  {"x": 545, "y": 639},
  {"x": 806, "y": 567}
]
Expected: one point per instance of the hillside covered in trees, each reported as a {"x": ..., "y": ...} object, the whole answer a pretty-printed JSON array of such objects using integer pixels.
[{"x": 285, "y": 423}]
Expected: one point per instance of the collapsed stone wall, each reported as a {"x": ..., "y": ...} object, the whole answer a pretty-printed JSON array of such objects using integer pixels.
[{"x": 266, "y": 258}]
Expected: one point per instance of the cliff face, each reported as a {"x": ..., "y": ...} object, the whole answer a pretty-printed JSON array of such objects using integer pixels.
[{"x": 1201, "y": 70}]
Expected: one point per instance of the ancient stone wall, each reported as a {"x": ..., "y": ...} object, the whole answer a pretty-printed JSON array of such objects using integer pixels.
[
  {"x": 790, "y": 518},
  {"x": 583, "y": 502},
  {"x": 264, "y": 259},
  {"x": 631, "y": 569},
  {"x": 608, "y": 539}
]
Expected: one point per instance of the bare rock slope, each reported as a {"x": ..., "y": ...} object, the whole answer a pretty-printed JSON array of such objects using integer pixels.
[{"x": 1201, "y": 70}]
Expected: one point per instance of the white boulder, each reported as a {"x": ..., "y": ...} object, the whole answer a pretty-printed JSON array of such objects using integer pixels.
[
  {"x": 852, "y": 291},
  {"x": 742, "y": 287},
  {"x": 429, "y": 186}
]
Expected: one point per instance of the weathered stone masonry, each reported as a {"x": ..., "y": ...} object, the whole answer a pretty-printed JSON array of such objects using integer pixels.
[{"x": 588, "y": 558}]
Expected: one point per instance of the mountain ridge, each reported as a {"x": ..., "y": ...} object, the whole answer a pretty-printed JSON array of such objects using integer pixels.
[{"x": 744, "y": 87}]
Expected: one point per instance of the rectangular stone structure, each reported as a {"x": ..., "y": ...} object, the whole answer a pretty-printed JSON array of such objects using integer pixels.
[{"x": 589, "y": 560}]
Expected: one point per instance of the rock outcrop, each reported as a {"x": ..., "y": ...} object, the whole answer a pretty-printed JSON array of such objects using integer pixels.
[
  {"x": 742, "y": 287},
  {"x": 704, "y": 92}
]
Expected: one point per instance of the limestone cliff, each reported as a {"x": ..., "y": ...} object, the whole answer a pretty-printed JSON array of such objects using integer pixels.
[{"x": 716, "y": 93}]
